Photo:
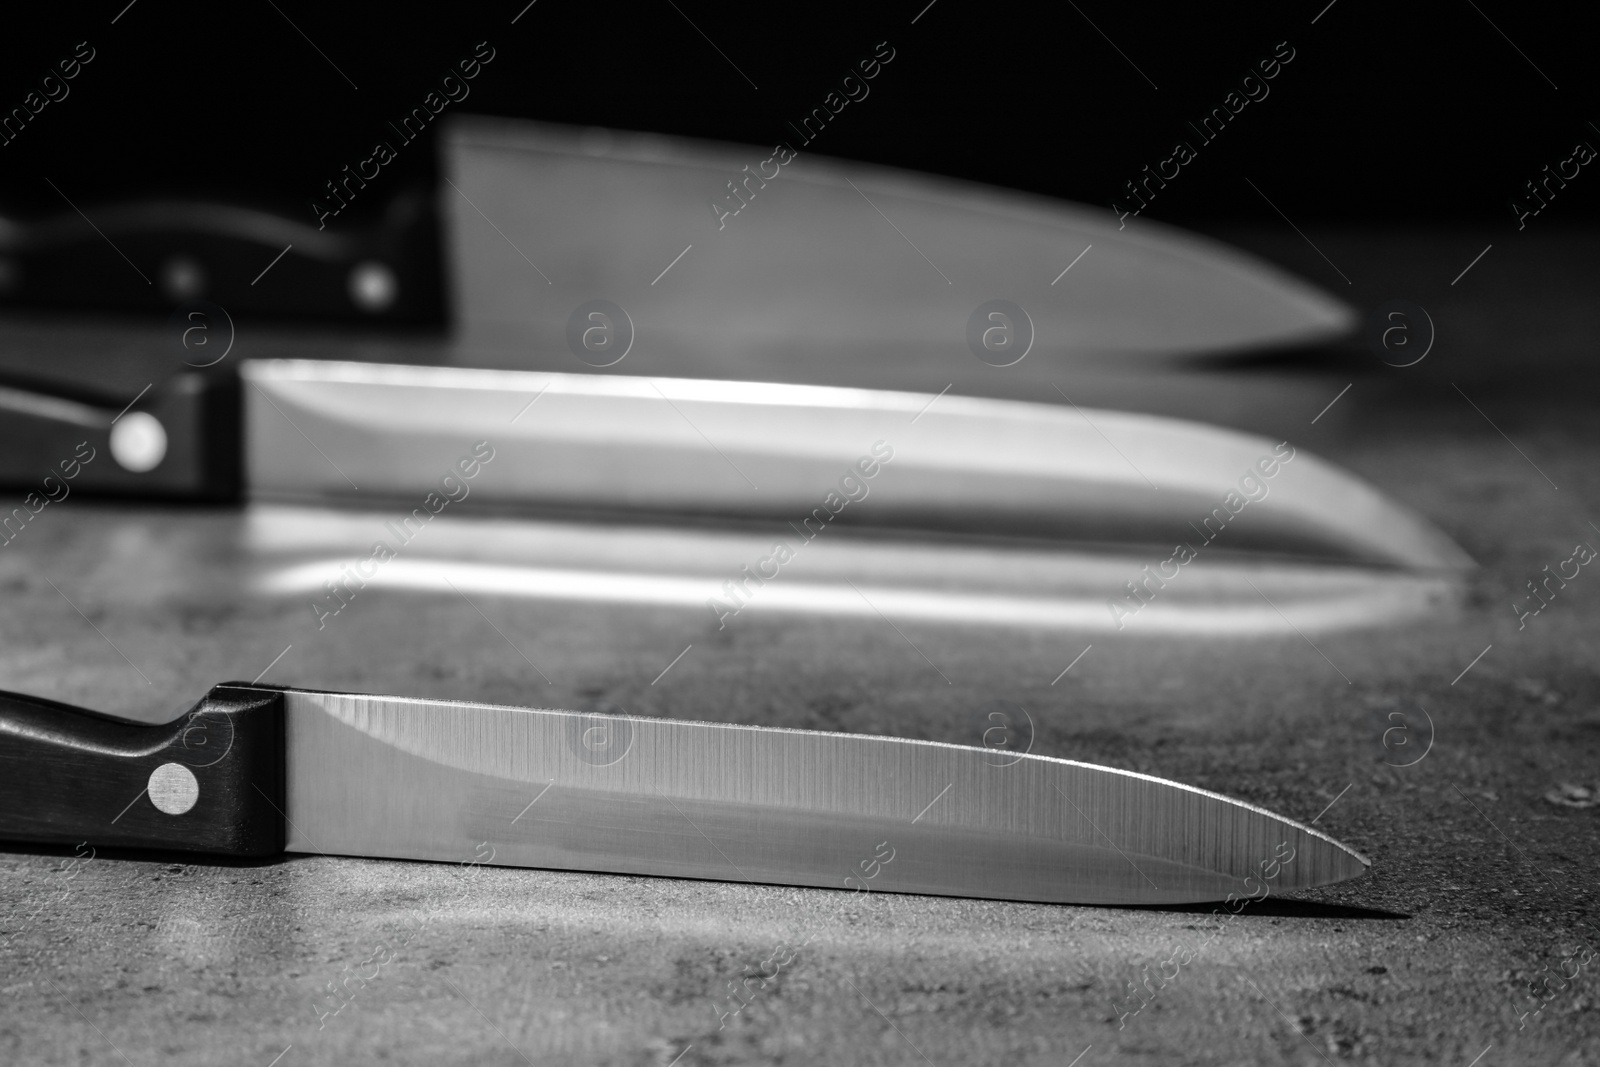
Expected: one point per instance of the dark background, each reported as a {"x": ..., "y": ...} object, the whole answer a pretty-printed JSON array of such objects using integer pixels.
[{"x": 1387, "y": 113}]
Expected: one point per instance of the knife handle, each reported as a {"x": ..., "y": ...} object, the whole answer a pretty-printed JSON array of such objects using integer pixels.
[
  {"x": 382, "y": 271},
  {"x": 211, "y": 780},
  {"x": 180, "y": 439}
]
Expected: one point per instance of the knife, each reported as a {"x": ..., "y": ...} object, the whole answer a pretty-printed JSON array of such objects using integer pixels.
[
  {"x": 255, "y": 771},
  {"x": 828, "y": 259},
  {"x": 332, "y": 431}
]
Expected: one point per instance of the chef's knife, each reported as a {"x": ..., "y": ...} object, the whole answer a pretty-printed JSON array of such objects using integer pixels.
[
  {"x": 253, "y": 771},
  {"x": 355, "y": 432},
  {"x": 360, "y": 433},
  {"x": 827, "y": 259}
]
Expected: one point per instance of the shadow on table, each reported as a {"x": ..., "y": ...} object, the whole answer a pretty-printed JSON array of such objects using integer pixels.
[
  {"x": 144, "y": 855},
  {"x": 1286, "y": 908}
]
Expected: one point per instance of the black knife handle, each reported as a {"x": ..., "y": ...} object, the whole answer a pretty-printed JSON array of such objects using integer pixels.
[
  {"x": 211, "y": 780},
  {"x": 384, "y": 271},
  {"x": 180, "y": 440}
]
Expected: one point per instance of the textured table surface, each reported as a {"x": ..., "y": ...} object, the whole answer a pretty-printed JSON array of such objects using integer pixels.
[{"x": 1480, "y": 883}]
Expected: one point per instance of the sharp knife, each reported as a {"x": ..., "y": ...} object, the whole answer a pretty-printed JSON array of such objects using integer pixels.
[
  {"x": 827, "y": 262},
  {"x": 363, "y": 433},
  {"x": 253, "y": 771}
]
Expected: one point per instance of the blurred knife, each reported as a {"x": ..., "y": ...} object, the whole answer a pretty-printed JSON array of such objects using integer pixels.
[
  {"x": 362, "y": 433},
  {"x": 257, "y": 770},
  {"x": 826, "y": 261}
]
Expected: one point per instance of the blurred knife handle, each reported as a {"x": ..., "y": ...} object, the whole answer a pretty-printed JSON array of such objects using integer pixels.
[{"x": 179, "y": 439}]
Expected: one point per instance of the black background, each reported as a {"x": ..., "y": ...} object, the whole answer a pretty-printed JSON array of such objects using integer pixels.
[{"x": 1387, "y": 113}]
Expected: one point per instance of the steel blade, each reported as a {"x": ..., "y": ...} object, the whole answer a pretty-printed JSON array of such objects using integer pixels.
[
  {"x": 445, "y": 780},
  {"x": 775, "y": 451},
  {"x": 830, "y": 257}
]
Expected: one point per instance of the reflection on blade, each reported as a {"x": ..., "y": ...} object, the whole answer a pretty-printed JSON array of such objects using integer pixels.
[
  {"x": 1322, "y": 599},
  {"x": 965, "y": 582},
  {"x": 377, "y": 776}
]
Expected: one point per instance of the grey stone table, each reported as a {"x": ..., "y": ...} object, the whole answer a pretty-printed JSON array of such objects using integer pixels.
[{"x": 1484, "y": 852}]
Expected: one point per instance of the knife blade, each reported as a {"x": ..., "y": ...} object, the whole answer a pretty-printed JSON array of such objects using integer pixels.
[
  {"x": 258, "y": 770},
  {"x": 830, "y": 262},
  {"x": 330, "y": 430}
]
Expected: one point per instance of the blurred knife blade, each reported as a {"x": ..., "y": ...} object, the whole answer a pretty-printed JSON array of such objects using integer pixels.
[
  {"x": 327, "y": 430},
  {"x": 829, "y": 261}
]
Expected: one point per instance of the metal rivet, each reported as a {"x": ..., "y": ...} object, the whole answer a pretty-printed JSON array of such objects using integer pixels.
[
  {"x": 173, "y": 788},
  {"x": 373, "y": 287},
  {"x": 182, "y": 278},
  {"x": 138, "y": 441}
]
